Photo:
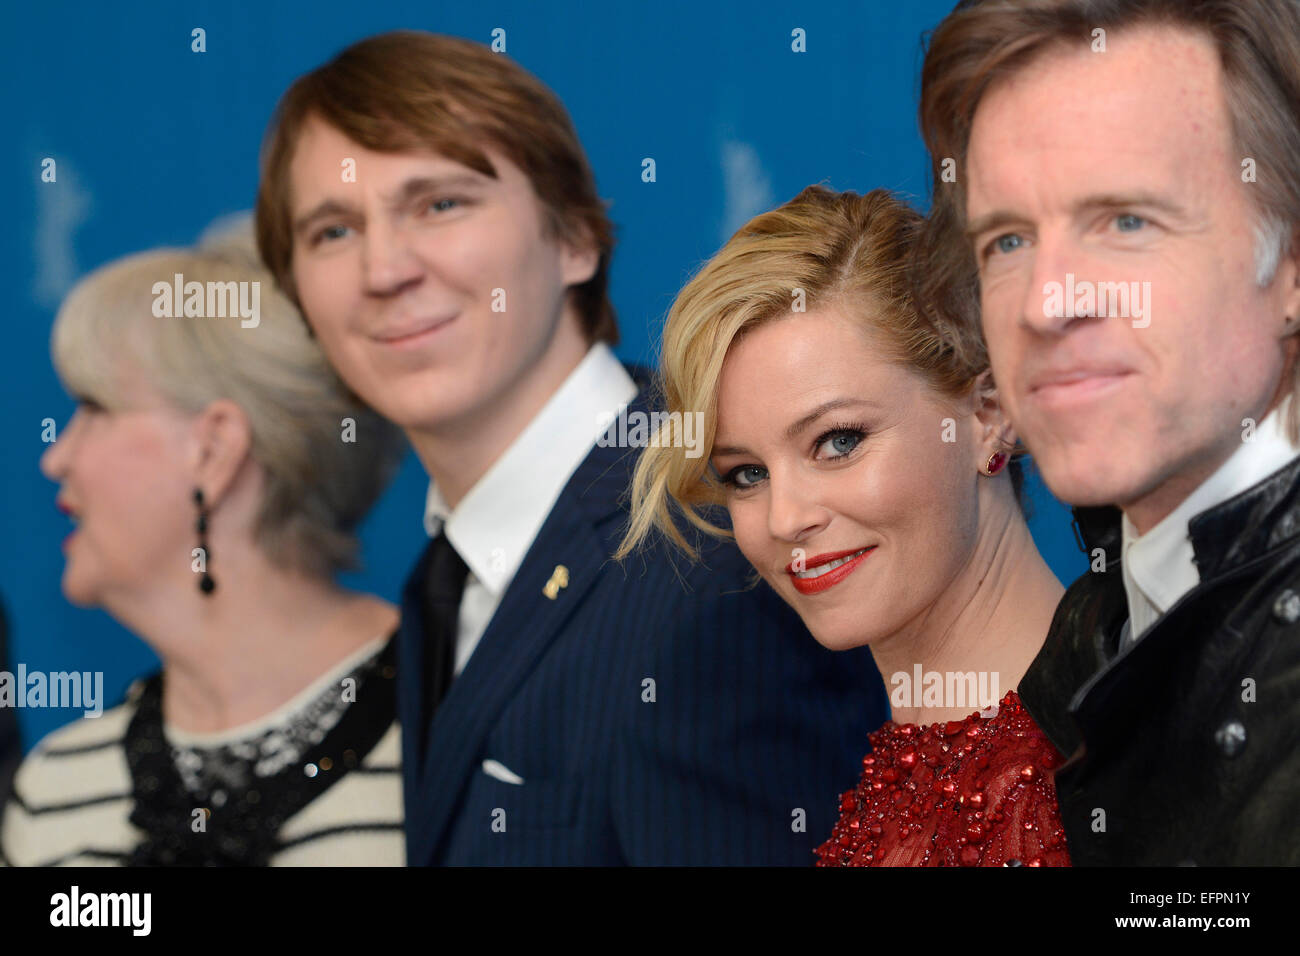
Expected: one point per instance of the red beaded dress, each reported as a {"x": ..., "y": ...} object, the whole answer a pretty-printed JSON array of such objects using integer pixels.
[{"x": 973, "y": 792}]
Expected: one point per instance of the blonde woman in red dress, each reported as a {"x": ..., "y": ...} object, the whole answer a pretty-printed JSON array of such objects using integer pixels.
[{"x": 861, "y": 457}]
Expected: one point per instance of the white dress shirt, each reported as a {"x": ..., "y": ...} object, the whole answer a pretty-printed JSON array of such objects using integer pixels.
[
  {"x": 494, "y": 525},
  {"x": 1159, "y": 567}
]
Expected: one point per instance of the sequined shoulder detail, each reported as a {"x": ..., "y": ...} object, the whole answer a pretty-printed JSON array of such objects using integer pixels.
[
  {"x": 213, "y": 773},
  {"x": 972, "y": 792},
  {"x": 246, "y": 794}
]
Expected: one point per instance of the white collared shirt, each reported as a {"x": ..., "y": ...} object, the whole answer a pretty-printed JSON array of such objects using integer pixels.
[
  {"x": 494, "y": 525},
  {"x": 1159, "y": 567}
]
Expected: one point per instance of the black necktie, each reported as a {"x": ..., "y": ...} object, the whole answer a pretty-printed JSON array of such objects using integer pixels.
[{"x": 444, "y": 583}]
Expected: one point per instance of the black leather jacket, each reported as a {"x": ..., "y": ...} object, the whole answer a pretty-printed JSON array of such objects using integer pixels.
[{"x": 1186, "y": 748}]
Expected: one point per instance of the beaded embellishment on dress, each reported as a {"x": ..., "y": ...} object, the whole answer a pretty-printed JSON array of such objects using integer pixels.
[{"x": 972, "y": 792}]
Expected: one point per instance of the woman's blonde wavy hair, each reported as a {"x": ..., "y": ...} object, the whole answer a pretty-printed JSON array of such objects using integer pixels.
[{"x": 822, "y": 248}]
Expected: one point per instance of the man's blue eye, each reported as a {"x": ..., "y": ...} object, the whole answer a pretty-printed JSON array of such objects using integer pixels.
[
  {"x": 328, "y": 233},
  {"x": 442, "y": 205},
  {"x": 1007, "y": 243},
  {"x": 1129, "y": 222}
]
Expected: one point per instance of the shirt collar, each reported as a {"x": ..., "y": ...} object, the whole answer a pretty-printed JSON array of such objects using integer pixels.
[
  {"x": 1159, "y": 567},
  {"x": 494, "y": 525}
]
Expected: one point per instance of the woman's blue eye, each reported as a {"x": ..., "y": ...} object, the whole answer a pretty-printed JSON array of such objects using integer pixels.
[
  {"x": 745, "y": 476},
  {"x": 839, "y": 444},
  {"x": 1129, "y": 223},
  {"x": 1008, "y": 243}
]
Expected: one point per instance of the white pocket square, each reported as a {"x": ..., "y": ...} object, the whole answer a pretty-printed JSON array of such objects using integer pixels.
[{"x": 499, "y": 771}]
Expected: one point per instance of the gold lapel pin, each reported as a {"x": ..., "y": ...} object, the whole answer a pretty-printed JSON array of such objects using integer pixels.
[{"x": 559, "y": 579}]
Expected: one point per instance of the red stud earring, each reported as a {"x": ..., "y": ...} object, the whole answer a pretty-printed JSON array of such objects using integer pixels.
[{"x": 996, "y": 462}]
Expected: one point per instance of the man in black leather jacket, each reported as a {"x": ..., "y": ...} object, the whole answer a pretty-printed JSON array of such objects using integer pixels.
[
  {"x": 1120, "y": 179},
  {"x": 1193, "y": 738}
]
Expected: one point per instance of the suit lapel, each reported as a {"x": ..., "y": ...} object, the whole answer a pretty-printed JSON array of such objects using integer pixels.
[{"x": 524, "y": 625}]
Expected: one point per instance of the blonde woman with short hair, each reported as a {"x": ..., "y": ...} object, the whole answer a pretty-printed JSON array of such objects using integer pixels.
[{"x": 215, "y": 471}]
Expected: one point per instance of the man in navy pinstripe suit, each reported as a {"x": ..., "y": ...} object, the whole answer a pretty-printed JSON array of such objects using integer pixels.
[{"x": 429, "y": 205}]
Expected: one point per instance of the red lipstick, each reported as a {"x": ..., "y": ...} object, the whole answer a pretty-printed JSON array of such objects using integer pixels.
[{"x": 827, "y": 579}]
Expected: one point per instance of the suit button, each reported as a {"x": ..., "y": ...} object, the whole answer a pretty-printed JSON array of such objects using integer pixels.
[
  {"x": 1231, "y": 738},
  {"x": 1287, "y": 607}
]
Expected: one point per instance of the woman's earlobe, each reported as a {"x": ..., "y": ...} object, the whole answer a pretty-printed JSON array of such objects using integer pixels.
[
  {"x": 223, "y": 442},
  {"x": 997, "y": 461}
]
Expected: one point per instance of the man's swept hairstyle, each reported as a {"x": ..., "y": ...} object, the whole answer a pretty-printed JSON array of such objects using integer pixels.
[
  {"x": 410, "y": 91},
  {"x": 984, "y": 41}
]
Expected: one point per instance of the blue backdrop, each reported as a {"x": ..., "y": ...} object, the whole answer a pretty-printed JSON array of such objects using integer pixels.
[{"x": 154, "y": 141}]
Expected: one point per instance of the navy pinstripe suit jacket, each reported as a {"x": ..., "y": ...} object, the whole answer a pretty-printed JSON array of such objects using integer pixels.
[{"x": 659, "y": 712}]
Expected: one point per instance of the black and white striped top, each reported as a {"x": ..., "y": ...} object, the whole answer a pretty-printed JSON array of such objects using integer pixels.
[{"x": 77, "y": 798}]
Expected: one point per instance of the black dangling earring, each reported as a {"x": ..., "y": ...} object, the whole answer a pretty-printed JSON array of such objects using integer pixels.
[{"x": 206, "y": 584}]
